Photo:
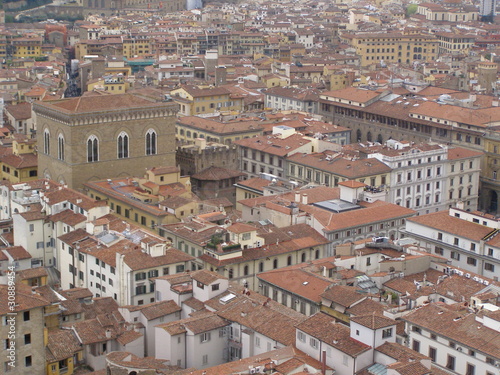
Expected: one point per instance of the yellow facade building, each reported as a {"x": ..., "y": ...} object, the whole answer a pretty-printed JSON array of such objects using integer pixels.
[
  {"x": 113, "y": 85},
  {"x": 162, "y": 196},
  {"x": 136, "y": 47},
  {"x": 22, "y": 164},
  {"x": 394, "y": 47},
  {"x": 194, "y": 100},
  {"x": 191, "y": 128},
  {"x": 26, "y": 47},
  {"x": 63, "y": 352}
]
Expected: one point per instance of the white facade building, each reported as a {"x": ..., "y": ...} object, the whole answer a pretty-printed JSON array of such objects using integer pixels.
[
  {"x": 193, "y": 342},
  {"x": 150, "y": 316},
  {"x": 458, "y": 341},
  {"x": 117, "y": 264},
  {"x": 467, "y": 239},
  {"x": 430, "y": 177}
]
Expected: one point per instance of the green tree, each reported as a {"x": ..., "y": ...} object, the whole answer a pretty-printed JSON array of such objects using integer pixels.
[{"x": 411, "y": 9}]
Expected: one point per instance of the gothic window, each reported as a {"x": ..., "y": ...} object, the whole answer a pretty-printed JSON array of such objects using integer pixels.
[
  {"x": 151, "y": 142},
  {"x": 122, "y": 145},
  {"x": 92, "y": 149},
  {"x": 46, "y": 141},
  {"x": 60, "y": 147}
]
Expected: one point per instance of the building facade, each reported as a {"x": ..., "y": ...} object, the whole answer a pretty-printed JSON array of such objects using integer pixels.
[{"x": 97, "y": 137}]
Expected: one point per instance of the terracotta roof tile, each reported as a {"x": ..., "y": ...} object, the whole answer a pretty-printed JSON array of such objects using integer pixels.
[
  {"x": 155, "y": 310},
  {"x": 20, "y": 161},
  {"x": 17, "y": 252},
  {"x": 206, "y": 277},
  {"x": 216, "y": 174},
  {"x": 87, "y": 104},
  {"x": 21, "y": 111},
  {"x": 457, "y": 326},
  {"x": 62, "y": 344},
  {"x": 269, "y": 318},
  {"x": 200, "y": 324},
  {"x": 443, "y": 221},
  {"x": 25, "y": 299},
  {"x": 68, "y": 217},
  {"x": 324, "y": 328},
  {"x": 373, "y": 321},
  {"x": 31, "y": 273},
  {"x": 343, "y": 295},
  {"x": 274, "y": 145},
  {"x": 296, "y": 281}
]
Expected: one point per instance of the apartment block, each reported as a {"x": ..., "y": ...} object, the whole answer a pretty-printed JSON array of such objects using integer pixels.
[{"x": 468, "y": 239}]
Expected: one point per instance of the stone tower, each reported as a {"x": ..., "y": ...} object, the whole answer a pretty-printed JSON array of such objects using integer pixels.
[{"x": 487, "y": 75}]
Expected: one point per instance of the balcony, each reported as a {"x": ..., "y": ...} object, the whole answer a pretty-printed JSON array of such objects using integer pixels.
[{"x": 223, "y": 247}]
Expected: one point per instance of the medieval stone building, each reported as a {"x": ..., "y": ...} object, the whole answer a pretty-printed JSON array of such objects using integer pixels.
[{"x": 103, "y": 136}]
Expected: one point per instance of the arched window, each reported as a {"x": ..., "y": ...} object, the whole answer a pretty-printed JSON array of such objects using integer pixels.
[
  {"x": 60, "y": 147},
  {"x": 151, "y": 142},
  {"x": 245, "y": 270},
  {"x": 289, "y": 260},
  {"x": 303, "y": 257},
  {"x": 188, "y": 134},
  {"x": 46, "y": 141},
  {"x": 275, "y": 263},
  {"x": 122, "y": 145},
  {"x": 92, "y": 149},
  {"x": 369, "y": 136},
  {"x": 316, "y": 254},
  {"x": 261, "y": 267}
]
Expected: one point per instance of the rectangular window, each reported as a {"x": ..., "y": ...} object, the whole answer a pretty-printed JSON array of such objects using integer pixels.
[
  {"x": 26, "y": 316},
  {"x": 489, "y": 267},
  {"x": 314, "y": 343},
  {"x": 152, "y": 273},
  {"x": 450, "y": 363},
  {"x": 432, "y": 353},
  {"x": 387, "y": 333},
  {"x": 471, "y": 369},
  {"x": 471, "y": 261},
  {"x": 179, "y": 268},
  {"x": 205, "y": 337},
  {"x": 27, "y": 339},
  {"x": 439, "y": 250},
  {"x": 416, "y": 345},
  {"x": 140, "y": 289},
  {"x": 301, "y": 336},
  {"x": 27, "y": 361}
]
